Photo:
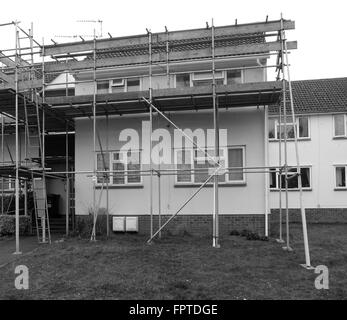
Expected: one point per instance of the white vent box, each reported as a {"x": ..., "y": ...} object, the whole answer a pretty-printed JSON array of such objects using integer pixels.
[
  {"x": 118, "y": 224},
  {"x": 131, "y": 224}
]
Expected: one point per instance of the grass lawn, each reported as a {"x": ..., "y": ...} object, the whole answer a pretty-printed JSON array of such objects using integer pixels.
[{"x": 124, "y": 267}]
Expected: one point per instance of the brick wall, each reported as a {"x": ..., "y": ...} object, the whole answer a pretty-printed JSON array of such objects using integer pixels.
[
  {"x": 313, "y": 215},
  {"x": 200, "y": 225}
]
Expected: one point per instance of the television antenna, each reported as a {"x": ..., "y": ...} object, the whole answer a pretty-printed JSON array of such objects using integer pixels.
[{"x": 97, "y": 26}]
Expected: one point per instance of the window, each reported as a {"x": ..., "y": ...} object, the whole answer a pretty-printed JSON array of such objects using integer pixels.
[
  {"x": 103, "y": 87},
  {"x": 126, "y": 167},
  {"x": 236, "y": 159},
  {"x": 103, "y": 164},
  {"x": 133, "y": 84},
  {"x": 340, "y": 125},
  {"x": 206, "y": 78},
  {"x": 182, "y": 80},
  {"x": 301, "y": 124},
  {"x": 198, "y": 165},
  {"x": 8, "y": 184},
  {"x": 340, "y": 177},
  {"x": 125, "y": 85},
  {"x": 277, "y": 179},
  {"x": 234, "y": 76}
]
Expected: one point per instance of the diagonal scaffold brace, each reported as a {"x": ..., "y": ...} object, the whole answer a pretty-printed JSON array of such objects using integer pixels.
[{"x": 212, "y": 159}]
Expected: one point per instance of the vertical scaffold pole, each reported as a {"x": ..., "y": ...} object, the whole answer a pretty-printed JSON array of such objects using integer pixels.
[
  {"x": 216, "y": 148},
  {"x": 151, "y": 130},
  {"x": 17, "y": 142},
  {"x": 167, "y": 58},
  {"x": 93, "y": 238},
  {"x": 279, "y": 181},
  {"x": 284, "y": 88},
  {"x": 280, "y": 239},
  {"x": 266, "y": 176},
  {"x": 107, "y": 183},
  {"x": 298, "y": 168},
  {"x": 2, "y": 161},
  {"x": 67, "y": 203}
]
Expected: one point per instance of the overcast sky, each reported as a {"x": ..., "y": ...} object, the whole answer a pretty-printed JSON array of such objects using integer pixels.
[{"x": 321, "y": 25}]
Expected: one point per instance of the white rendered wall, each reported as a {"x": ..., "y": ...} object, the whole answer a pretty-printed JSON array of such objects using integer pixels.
[
  {"x": 245, "y": 127},
  {"x": 321, "y": 152}
]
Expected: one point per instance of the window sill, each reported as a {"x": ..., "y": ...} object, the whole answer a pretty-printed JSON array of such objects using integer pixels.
[
  {"x": 210, "y": 185},
  {"x": 340, "y": 189},
  {"x": 290, "y": 140},
  {"x": 291, "y": 190},
  {"x": 125, "y": 186},
  {"x": 340, "y": 138}
]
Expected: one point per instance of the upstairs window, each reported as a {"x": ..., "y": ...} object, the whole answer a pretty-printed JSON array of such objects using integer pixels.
[
  {"x": 103, "y": 87},
  {"x": 301, "y": 124},
  {"x": 234, "y": 76},
  {"x": 206, "y": 78},
  {"x": 340, "y": 177},
  {"x": 125, "y": 85},
  {"x": 7, "y": 184},
  {"x": 182, "y": 80},
  {"x": 133, "y": 84},
  {"x": 340, "y": 126},
  {"x": 118, "y": 85}
]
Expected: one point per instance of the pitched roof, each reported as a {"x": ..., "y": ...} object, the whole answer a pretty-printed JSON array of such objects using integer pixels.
[
  {"x": 181, "y": 45},
  {"x": 318, "y": 96}
]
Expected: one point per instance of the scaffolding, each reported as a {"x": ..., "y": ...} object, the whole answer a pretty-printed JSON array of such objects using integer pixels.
[{"x": 25, "y": 83}]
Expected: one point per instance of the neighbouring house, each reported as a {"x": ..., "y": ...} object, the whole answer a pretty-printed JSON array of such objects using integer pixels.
[{"x": 321, "y": 108}]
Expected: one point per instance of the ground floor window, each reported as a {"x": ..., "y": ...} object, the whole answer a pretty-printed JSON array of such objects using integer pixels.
[
  {"x": 340, "y": 177},
  {"x": 195, "y": 166},
  {"x": 125, "y": 167},
  {"x": 278, "y": 179}
]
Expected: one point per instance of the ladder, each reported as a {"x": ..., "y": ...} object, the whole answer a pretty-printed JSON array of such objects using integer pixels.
[
  {"x": 41, "y": 210},
  {"x": 33, "y": 133}
]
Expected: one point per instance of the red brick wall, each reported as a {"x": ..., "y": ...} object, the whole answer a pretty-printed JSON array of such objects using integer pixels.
[{"x": 200, "y": 225}]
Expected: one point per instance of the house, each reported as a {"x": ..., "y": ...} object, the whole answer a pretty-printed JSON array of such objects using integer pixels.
[
  {"x": 320, "y": 106},
  {"x": 131, "y": 91}
]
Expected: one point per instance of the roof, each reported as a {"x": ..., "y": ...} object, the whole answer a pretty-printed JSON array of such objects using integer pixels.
[
  {"x": 318, "y": 96},
  {"x": 180, "y": 45}
]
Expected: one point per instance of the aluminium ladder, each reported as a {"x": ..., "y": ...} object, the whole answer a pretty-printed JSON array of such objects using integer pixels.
[{"x": 35, "y": 158}]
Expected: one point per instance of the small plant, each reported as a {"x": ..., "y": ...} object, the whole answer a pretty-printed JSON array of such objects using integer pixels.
[
  {"x": 252, "y": 236},
  {"x": 245, "y": 233},
  {"x": 235, "y": 233}
]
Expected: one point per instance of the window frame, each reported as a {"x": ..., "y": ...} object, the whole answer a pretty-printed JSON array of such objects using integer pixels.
[
  {"x": 10, "y": 182},
  {"x": 125, "y": 162},
  {"x": 225, "y": 158},
  {"x": 344, "y": 123},
  {"x": 335, "y": 166},
  {"x": 123, "y": 84},
  {"x": 309, "y": 167},
  {"x": 242, "y": 75},
  {"x": 276, "y": 125}
]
